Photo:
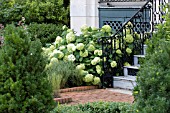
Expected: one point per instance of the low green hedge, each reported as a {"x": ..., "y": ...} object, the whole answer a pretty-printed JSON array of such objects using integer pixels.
[
  {"x": 96, "y": 107},
  {"x": 47, "y": 33}
]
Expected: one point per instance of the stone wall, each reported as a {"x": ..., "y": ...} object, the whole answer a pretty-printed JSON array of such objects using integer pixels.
[{"x": 83, "y": 12}]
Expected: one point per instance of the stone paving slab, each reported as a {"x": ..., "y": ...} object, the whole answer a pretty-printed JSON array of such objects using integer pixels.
[
  {"x": 95, "y": 95},
  {"x": 129, "y": 92}
]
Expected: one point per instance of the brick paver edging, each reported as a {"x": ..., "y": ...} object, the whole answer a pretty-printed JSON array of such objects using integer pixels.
[
  {"x": 63, "y": 100},
  {"x": 81, "y": 88}
]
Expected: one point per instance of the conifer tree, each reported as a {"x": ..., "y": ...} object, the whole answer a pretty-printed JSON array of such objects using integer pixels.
[{"x": 24, "y": 87}]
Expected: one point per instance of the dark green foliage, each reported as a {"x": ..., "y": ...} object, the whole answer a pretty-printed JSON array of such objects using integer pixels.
[
  {"x": 24, "y": 85},
  {"x": 40, "y": 11},
  {"x": 154, "y": 82},
  {"x": 153, "y": 91},
  {"x": 47, "y": 33},
  {"x": 96, "y": 107}
]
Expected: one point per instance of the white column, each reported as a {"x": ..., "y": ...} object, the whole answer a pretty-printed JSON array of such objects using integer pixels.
[{"x": 83, "y": 12}]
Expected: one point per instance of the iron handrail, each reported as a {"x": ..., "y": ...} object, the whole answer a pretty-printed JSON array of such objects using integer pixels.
[
  {"x": 109, "y": 49},
  {"x": 124, "y": 24},
  {"x": 103, "y": 1}
]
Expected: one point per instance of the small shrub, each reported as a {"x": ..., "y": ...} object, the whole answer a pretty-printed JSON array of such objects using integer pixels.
[
  {"x": 96, "y": 107},
  {"x": 47, "y": 33},
  {"x": 24, "y": 85}
]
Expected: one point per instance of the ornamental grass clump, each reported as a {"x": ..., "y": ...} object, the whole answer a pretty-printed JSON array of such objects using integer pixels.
[{"x": 63, "y": 74}]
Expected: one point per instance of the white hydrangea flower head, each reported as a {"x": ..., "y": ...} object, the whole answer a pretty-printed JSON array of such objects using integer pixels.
[
  {"x": 65, "y": 58},
  {"x": 93, "y": 62},
  {"x": 69, "y": 30},
  {"x": 58, "y": 40},
  {"x": 64, "y": 27},
  {"x": 129, "y": 24},
  {"x": 58, "y": 53},
  {"x": 96, "y": 81},
  {"x": 54, "y": 60},
  {"x": 88, "y": 78},
  {"x": 97, "y": 59},
  {"x": 106, "y": 28},
  {"x": 98, "y": 69},
  {"x": 84, "y": 29},
  {"x": 92, "y": 42},
  {"x": 113, "y": 64},
  {"x": 119, "y": 51},
  {"x": 83, "y": 72},
  {"x": 80, "y": 67},
  {"x": 128, "y": 50},
  {"x": 100, "y": 52},
  {"x": 71, "y": 47},
  {"x": 62, "y": 48},
  {"x": 129, "y": 38},
  {"x": 71, "y": 57},
  {"x": 80, "y": 46},
  {"x": 96, "y": 52},
  {"x": 52, "y": 47},
  {"x": 70, "y": 37},
  {"x": 94, "y": 28},
  {"x": 43, "y": 48},
  {"x": 84, "y": 54},
  {"x": 91, "y": 48},
  {"x": 126, "y": 64},
  {"x": 47, "y": 51}
]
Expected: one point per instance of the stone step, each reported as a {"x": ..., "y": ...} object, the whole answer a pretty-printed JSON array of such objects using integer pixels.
[
  {"x": 136, "y": 59},
  {"x": 130, "y": 70},
  {"x": 124, "y": 82},
  {"x": 144, "y": 49}
]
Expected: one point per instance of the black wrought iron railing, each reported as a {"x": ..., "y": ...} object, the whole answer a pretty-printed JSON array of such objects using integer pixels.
[
  {"x": 103, "y": 1},
  {"x": 129, "y": 39}
]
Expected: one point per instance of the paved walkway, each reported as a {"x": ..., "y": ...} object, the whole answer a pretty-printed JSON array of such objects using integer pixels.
[{"x": 97, "y": 95}]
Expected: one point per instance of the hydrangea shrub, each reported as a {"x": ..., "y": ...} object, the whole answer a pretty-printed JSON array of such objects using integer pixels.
[{"x": 85, "y": 51}]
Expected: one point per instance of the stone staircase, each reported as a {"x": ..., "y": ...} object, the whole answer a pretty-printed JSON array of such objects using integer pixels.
[{"x": 128, "y": 81}]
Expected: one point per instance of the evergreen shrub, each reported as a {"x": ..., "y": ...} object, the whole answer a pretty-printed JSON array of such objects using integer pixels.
[
  {"x": 40, "y": 11},
  {"x": 152, "y": 93},
  {"x": 47, "y": 33},
  {"x": 96, "y": 107},
  {"x": 24, "y": 85}
]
